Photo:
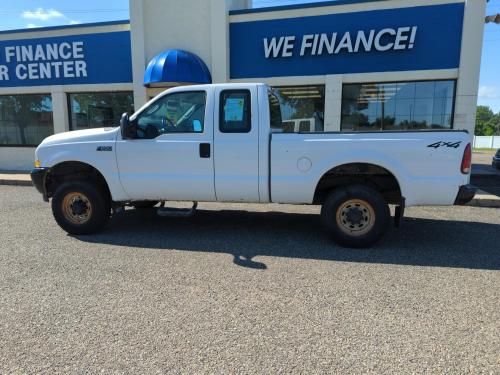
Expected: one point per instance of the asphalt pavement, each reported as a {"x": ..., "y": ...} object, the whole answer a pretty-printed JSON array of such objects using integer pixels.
[{"x": 247, "y": 289}]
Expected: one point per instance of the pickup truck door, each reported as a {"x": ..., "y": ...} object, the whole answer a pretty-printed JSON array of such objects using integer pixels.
[
  {"x": 172, "y": 156},
  {"x": 236, "y": 139}
]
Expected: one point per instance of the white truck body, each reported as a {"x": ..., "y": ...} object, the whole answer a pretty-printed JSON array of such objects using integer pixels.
[
  {"x": 259, "y": 166},
  {"x": 262, "y": 165}
]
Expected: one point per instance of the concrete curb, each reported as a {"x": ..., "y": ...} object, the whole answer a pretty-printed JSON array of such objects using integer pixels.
[
  {"x": 15, "y": 182},
  {"x": 483, "y": 199}
]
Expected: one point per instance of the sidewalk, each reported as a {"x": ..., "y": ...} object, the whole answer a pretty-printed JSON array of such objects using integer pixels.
[
  {"x": 482, "y": 198},
  {"x": 15, "y": 178}
]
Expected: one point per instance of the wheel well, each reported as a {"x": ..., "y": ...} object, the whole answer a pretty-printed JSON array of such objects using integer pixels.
[
  {"x": 372, "y": 175},
  {"x": 73, "y": 170}
]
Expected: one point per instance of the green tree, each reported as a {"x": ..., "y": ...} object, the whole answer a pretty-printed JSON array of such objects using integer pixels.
[{"x": 487, "y": 122}]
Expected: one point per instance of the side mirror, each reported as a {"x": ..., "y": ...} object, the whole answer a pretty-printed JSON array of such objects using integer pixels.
[{"x": 127, "y": 128}]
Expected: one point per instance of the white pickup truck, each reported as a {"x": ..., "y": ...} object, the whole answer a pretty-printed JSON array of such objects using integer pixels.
[{"x": 225, "y": 143}]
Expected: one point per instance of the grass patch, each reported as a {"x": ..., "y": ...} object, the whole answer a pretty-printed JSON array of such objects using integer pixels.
[{"x": 483, "y": 149}]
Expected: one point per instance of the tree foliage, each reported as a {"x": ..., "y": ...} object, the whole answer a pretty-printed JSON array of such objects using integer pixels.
[{"x": 487, "y": 122}]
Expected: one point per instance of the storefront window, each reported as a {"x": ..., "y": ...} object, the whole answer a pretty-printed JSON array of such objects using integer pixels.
[
  {"x": 398, "y": 106},
  {"x": 302, "y": 108},
  {"x": 25, "y": 120},
  {"x": 98, "y": 109}
]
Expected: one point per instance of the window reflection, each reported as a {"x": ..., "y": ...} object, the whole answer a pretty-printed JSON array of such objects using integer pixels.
[
  {"x": 302, "y": 108},
  {"x": 25, "y": 120},
  {"x": 397, "y": 106},
  {"x": 98, "y": 109}
]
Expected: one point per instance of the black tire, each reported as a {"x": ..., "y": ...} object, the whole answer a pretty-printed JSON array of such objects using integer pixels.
[
  {"x": 144, "y": 204},
  {"x": 356, "y": 215},
  {"x": 83, "y": 194}
]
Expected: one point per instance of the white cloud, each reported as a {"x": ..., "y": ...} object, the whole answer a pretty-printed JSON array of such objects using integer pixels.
[
  {"x": 74, "y": 22},
  {"x": 31, "y": 25},
  {"x": 42, "y": 14},
  {"x": 488, "y": 92}
]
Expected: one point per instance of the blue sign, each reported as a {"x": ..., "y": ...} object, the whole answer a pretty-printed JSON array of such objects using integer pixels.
[
  {"x": 414, "y": 38},
  {"x": 66, "y": 60}
]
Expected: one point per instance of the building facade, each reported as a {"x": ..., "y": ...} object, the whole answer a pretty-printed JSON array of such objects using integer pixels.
[{"x": 345, "y": 65}]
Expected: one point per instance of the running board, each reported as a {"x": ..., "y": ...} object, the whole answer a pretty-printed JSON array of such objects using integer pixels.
[{"x": 176, "y": 212}]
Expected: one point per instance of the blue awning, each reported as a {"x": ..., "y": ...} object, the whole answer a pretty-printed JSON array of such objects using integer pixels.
[{"x": 176, "y": 66}]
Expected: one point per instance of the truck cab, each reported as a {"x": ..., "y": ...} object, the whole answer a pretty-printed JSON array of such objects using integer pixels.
[{"x": 198, "y": 143}]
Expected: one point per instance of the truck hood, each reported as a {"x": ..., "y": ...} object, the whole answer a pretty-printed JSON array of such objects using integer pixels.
[{"x": 78, "y": 136}]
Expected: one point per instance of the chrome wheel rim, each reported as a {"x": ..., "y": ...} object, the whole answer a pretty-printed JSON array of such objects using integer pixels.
[
  {"x": 76, "y": 208},
  {"x": 355, "y": 217}
]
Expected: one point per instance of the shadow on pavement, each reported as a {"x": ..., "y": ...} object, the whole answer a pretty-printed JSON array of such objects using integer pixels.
[
  {"x": 489, "y": 183},
  {"x": 245, "y": 235}
]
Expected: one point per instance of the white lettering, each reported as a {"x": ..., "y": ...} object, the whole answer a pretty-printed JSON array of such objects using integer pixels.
[
  {"x": 412, "y": 37},
  {"x": 81, "y": 68},
  {"x": 19, "y": 74},
  {"x": 345, "y": 42},
  {"x": 78, "y": 50},
  {"x": 381, "y": 33},
  {"x": 26, "y": 53},
  {"x": 328, "y": 43},
  {"x": 4, "y": 73},
  {"x": 400, "y": 38},
  {"x": 288, "y": 46},
  {"x": 45, "y": 71},
  {"x": 315, "y": 45},
  {"x": 9, "y": 53},
  {"x": 62, "y": 47},
  {"x": 325, "y": 43},
  {"x": 57, "y": 68},
  {"x": 52, "y": 52},
  {"x": 39, "y": 53},
  {"x": 68, "y": 69},
  {"x": 306, "y": 43},
  {"x": 33, "y": 71},
  {"x": 367, "y": 43},
  {"x": 272, "y": 47}
]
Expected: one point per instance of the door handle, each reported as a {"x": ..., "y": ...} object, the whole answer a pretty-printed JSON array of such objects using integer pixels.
[{"x": 204, "y": 150}]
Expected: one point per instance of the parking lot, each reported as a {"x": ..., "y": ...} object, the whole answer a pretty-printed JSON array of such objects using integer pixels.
[
  {"x": 248, "y": 289},
  {"x": 484, "y": 175}
]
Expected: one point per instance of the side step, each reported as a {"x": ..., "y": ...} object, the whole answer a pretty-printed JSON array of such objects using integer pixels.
[{"x": 176, "y": 212}]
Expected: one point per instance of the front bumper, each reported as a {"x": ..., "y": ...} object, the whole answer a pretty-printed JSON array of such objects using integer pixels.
[
  {"x": 39, "y": 176},
  {"x": 465, "y": 194}
]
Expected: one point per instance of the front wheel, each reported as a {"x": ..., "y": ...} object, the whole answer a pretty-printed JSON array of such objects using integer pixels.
[
  {"x": 356, "y": 216},
  {"x": 81, "y": 207}
]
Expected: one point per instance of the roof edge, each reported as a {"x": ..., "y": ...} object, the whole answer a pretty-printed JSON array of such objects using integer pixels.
[
  {"x": 62, "y": 27},
  {"x": 300, "y": 6}
]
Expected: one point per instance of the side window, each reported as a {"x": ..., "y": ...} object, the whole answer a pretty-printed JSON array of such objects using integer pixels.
[
  {"x": 275, "y": 112},
  {"x": 234, "y": 112},
  {"x": 182, "y": 112}
]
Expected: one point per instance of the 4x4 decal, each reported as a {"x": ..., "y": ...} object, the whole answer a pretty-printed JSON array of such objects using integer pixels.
[{"x": 447, "y": 144}]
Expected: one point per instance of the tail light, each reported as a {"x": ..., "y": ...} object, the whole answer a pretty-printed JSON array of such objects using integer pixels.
[{"x": 466, "y": 160}]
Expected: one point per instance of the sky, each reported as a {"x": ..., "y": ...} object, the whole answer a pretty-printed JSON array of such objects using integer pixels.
[{"x": 21, "y": 14}]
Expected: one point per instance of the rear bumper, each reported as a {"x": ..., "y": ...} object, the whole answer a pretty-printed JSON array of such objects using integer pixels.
[
  {"x": 39, "y": 176},
  {"x": 465, "y": 194}
]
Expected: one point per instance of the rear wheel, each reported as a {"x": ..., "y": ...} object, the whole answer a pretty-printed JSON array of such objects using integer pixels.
[
  {"x": 80, "y": 207},
  {"x": 356, "y": 215}
]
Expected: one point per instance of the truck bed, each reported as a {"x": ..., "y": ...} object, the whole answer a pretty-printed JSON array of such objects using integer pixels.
[{"x": 426, "y": 164}]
